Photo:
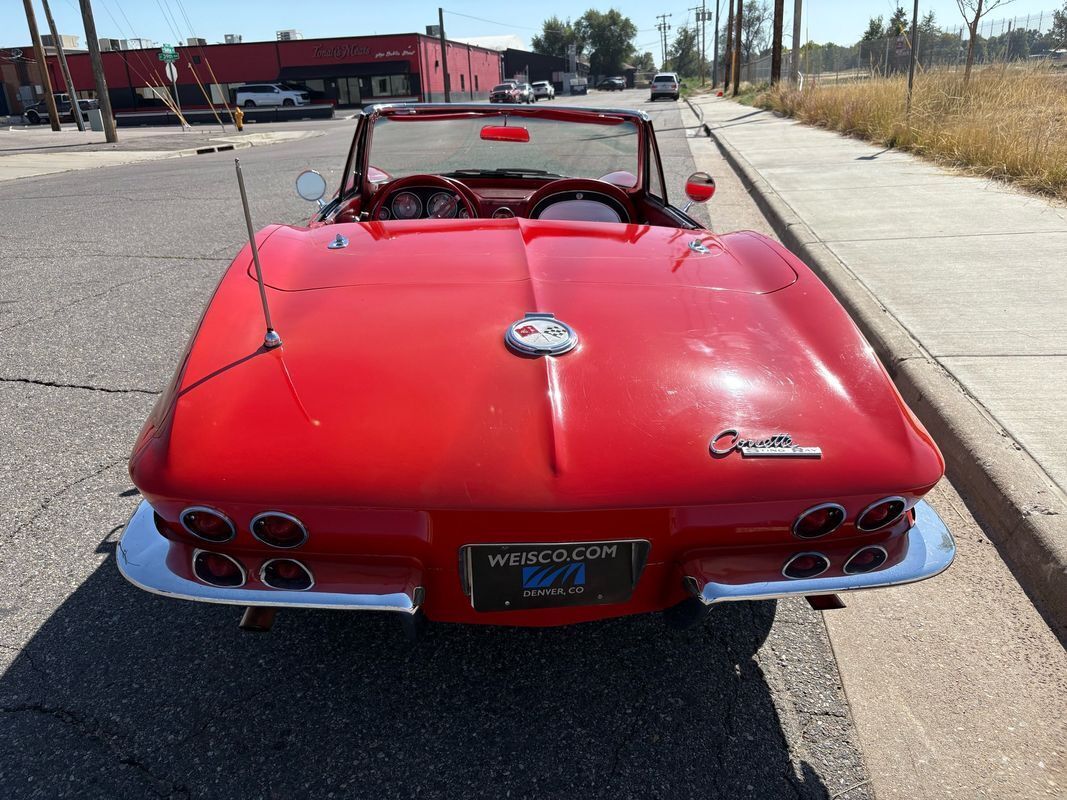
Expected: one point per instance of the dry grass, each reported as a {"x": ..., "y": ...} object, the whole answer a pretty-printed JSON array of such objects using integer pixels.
[{"x": 1009, "y": 123}]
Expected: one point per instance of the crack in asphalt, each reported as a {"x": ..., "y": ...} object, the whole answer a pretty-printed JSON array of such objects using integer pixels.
[
  {"x": 85, "y": 386},
  {"x": 95, "y": 732},
  {"x": 47, "y": 502}
]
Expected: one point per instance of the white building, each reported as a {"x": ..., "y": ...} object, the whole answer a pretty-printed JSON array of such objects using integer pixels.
[
  {"x": 233, "y": 38},
  {"x": 289, "y": 35}
]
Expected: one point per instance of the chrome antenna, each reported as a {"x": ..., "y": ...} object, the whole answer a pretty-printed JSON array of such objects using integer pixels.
[{"x": 271, "y": 339}]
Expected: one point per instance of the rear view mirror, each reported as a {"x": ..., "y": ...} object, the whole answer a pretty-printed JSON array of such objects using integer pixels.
[
  {"x": 503, "y": 133},
  {"x": 699, "y": 187},
  {"x": 310, "y": 185}
]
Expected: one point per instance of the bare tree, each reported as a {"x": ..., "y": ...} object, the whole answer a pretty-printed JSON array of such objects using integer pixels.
[
  {"x": 754, "y": 28},
  {"x": 973, "y": 11}
]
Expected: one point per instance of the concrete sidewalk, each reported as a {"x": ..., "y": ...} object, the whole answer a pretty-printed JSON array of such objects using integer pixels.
[
  {"x": 957, "y": 687},
  {"x": 958, "y": 282}
]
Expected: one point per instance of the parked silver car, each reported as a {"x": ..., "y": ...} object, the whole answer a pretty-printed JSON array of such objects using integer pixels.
[{"x": 544, "y": 89}]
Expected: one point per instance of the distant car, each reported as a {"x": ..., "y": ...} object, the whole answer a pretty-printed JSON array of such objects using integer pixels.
[
  {"x": 253, "y": 95},
  {"x": 612, "y": 85},
  {"x": 665, "y": 84},
  {"x": 544, "y": 89},
  {"x": 511, "y": 92},
  {"x": 37, "y": 113},
  {"x": 528, "y": 93}
]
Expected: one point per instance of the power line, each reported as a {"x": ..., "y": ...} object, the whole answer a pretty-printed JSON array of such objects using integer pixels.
[{"x": 663, "y": 27}]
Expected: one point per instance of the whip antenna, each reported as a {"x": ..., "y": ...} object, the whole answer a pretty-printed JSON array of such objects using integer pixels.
[{"x": 271, "y": 339}]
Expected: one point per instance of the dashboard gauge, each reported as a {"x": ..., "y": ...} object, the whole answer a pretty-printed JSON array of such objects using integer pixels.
[
  {"x": 383, "y": 213},
  {"x": 463, "y": 214},
  {"x": 503, "y": 213},
  {"x": 406, "y": 206},
  {"x": 442, "y": 205}
]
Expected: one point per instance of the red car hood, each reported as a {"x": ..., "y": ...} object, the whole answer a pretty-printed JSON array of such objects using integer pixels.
[{"x": 394, "y": 386}]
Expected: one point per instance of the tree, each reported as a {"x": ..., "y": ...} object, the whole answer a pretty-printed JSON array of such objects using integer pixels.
[
  {"x": 556, "y": 37},
  {"x": 1058, "y": 34},
  {"x": 754, "y": 28},
  {"x": 609, "y": 36},
  {"x": 645, "y": 62},
  {"x": 875, "y": 33},
  {"x": 898, "y": 23},
  {"x": 973, "y": 11},
  {"x": 684, "y": 54},
  {"x": 929, "y": 31}
]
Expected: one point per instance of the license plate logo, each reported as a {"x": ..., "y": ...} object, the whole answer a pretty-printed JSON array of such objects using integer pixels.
[{"x": 554, "y": 577}]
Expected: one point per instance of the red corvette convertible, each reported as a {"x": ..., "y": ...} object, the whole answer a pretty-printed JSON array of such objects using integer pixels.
[{"x": 505, "y": 381}]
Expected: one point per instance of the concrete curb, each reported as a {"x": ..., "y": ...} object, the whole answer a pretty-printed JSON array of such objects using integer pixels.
[{"x": 1023, "y": 511}]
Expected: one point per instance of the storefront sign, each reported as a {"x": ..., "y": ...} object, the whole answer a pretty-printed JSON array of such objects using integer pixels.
[{"x": 339, "y": 51}]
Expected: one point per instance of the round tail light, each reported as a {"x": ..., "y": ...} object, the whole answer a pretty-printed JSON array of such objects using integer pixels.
[
  {"x": 278, "y": 529},
  {"x": 287, "y": 574},
  {"x": 218, "y": 569},
  {"x": 881, "y": 514},
  {"x": 805, "y": 565},
  {"x": 207, "y": 524},
  {"x": 865, "y": 560},
  {"x": 818, "y": 521}
]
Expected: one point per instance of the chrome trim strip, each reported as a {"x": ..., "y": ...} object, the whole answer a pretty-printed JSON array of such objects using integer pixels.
[
  {"x": 811, "y": 554},
  {"x": 142, "y": 559},
  {"x": 930, "y": 551},
  {"x": 217, "y": 513},
  {"x": 838, "y": 506},
  {"x": 864, "y": 549},
  {"x": 290, "y": 517},
  {"x": 890, "y": 499}
]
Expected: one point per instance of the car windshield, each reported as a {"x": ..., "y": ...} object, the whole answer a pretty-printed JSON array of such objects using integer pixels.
[
  {"x": 502, "y": 87},
  {"x": 413, "y": 145}
]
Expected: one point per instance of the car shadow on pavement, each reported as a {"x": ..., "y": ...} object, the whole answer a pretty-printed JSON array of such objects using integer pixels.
[{"x": 125, "y": 694}]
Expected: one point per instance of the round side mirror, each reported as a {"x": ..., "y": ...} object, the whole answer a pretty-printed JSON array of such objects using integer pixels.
[
  {"x": 310, "y": 185},
  {"x": 699, "y": 187}
]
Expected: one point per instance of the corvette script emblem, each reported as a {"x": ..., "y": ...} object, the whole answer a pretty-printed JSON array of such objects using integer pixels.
[
  {"x": 539, "y": 334},
  {"x": 780, "y": 445}
]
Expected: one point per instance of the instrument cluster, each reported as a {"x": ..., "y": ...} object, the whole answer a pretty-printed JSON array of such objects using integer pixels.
[{"x": 420, "y": 203}]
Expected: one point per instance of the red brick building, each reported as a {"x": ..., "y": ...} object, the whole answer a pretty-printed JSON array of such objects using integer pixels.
[{"x": 350, "y": 71}]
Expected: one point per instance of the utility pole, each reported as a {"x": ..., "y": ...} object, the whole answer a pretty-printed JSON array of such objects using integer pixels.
[
  {"x": 42, "y": 65},
  {"x": 444, "y": 54},
  {"x": 796, "y": 41},
  {"x": 776, "y": 41},
  {"x": 912, "y": 57},
  {"x": 737, "y": 48},
  {"x": 75, "y": 111},
  {"x": 715, "y": 61},
  {"x": 728, "y": 66},
  {"x": 110, "y": 134},
  {"x": 663, "y": 27}
]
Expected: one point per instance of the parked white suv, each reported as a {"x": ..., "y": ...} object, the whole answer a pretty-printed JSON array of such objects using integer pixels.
[
  {"x": 665, "y": 84},
  {"x": 544, "y": 89},
  {"x": 252, "y": 95}
]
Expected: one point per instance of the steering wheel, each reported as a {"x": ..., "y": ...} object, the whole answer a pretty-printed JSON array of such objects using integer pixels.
[
  {"x": 581, "y": 189},
  {"x": 465, "y": 195}
]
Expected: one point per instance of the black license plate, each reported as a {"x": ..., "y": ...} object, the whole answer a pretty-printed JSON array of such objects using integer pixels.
[{"x": 514, "y": 577}]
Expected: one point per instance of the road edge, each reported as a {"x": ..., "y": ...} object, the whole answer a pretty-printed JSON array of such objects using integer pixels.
[{"x": 1003, "y": 485}]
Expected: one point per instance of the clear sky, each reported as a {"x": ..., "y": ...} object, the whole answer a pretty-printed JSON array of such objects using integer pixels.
[{"x": 841, "y": 21}]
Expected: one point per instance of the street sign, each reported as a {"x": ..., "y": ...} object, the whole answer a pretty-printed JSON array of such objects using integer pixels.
[
  {"x": 172, "y": 72},
  {"x": 167, "y": 53}
]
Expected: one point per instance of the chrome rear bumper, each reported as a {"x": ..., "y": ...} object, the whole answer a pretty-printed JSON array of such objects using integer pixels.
[
  {"x": 142, "y": 557},
  {"x": 930, "y": 551}
]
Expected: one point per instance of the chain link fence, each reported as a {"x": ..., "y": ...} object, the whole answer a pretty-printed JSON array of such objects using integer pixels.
[{"x": 1027, "y": 37}]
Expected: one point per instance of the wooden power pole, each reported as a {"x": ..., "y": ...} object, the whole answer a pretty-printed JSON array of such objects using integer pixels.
[
  {"x": 795, "y": 71},
  {"x": 776, "y": 41},
  {"x": 737, "y": 48},
  {"x": 75, "y": 110},
  {"x": 728, "y": 65},
  {"x": 42, "y": 65},
  {"x": 444, "y": 54},
  {"x": 98, "y": 71}
]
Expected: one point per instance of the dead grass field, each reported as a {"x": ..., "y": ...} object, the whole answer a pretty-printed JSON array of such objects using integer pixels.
[{"x": 1008, "y": 123}]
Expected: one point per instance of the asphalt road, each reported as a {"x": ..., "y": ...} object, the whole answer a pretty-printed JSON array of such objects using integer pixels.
[{"x": 107, "y": 691}]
